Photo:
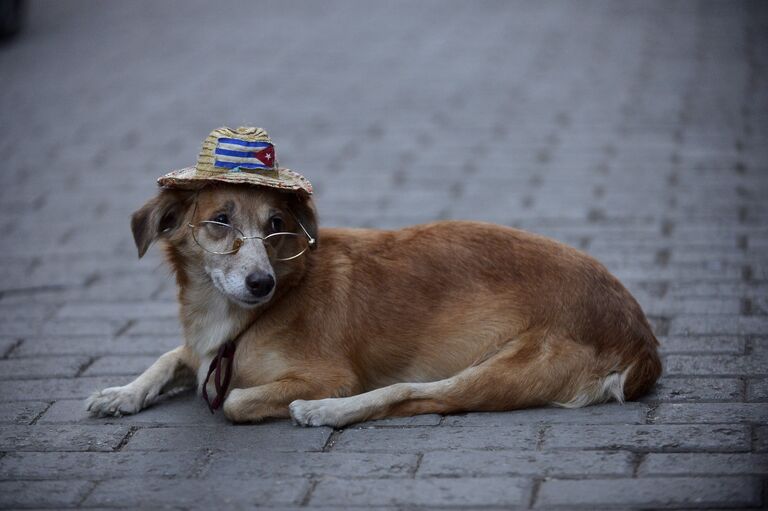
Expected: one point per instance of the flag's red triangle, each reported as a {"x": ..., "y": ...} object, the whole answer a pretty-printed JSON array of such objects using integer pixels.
[{"x": 266, "y": 156}]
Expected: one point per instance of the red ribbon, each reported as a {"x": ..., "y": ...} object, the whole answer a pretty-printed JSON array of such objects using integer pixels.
[{"x": 226, "y": 352}]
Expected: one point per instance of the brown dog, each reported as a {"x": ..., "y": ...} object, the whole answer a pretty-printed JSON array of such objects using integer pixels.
[{"x": 438, "y": 318}]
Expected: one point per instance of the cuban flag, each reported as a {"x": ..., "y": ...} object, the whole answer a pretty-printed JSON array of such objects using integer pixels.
[{"x": 235, "y": 154}]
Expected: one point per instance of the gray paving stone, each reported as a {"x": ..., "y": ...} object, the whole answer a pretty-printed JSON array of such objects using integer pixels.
[
  {"x": 6, "y": 345},
  {"x": 613, "y": 413},
  {"x": 58, "y": 388},
  {"x": 42, "y": 494},
  {"x": 250, "y": 463},
  {"x": 757, "y": 390},
  {"x": 96, "y": 466},
  {"x": 198, "y": 494},
  {"x": 61, "y": 438},
  {"x": 120, "y": 311},
  {"x": 478, "y": 492},
  {"x": 549, "y": 464},
  {"x": 187, "y": 409},
  {"x": 760, "y": 443},
  {"x": 710, "y": 413},
  {"x": 95, "y": 346},
  {"x": 648, "y": 437},
  {"x": 159, "y": 327},
  {"x": 656, "y": 492},
  {"x": 120, "y": 365},
  {"x": 432, "y": 439},
  {"x": 716, "y": 365},
  {"x": 427, "y": 419},
  {"x": 685, "y": 463},
  {"x": 21, "y": 412},
  {"x": 24, "y": 368},
  {"x": 701, "y": 344},
  {"x": 719, "y": 324},
  {"x": 275, "y": 436},
  {"x": 697, "y": 389}
]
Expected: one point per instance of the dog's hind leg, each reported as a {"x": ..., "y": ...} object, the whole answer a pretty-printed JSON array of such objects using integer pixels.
[
  {"x": 171, "y": 373},
  {"x": 528, "y": 372}
]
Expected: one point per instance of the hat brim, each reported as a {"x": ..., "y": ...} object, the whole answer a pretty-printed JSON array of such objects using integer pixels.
[{"x": 191, "y": 178}]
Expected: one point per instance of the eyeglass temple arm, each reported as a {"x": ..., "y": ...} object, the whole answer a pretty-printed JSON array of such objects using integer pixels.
[{"x": 312, "y": 241}]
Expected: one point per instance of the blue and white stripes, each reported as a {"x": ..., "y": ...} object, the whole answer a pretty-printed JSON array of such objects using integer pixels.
[{"x": 232, "y": 153}]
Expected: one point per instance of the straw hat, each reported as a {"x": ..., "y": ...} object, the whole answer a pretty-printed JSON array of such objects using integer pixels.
[{"x": 245, "y": 155}]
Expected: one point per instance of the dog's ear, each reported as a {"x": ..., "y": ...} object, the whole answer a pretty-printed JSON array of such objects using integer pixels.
[
  {"x": 304, "y": 209},
  {"x": 160, "y": 216}
]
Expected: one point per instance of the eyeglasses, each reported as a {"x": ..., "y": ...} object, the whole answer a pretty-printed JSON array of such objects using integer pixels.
[{"x": 224, "y": 239}]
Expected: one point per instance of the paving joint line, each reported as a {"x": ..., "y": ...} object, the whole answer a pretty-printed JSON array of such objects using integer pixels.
[
  {"x": 535, "y": 488},
  {"x": 84, "y": 366},
  {"x": 304, "y": 502},
  {"x": 124, "y": 328},
  {"x": 331, "y": 441},
  {"x": 39, "y": 415},
  {"x": 12, "y": 348},
  {"x": 123, "y": 441},
  {"x": 88, "y": 493}
]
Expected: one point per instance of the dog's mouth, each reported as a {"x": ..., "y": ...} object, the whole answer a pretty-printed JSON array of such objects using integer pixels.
[{"x": 250, "y": 303}]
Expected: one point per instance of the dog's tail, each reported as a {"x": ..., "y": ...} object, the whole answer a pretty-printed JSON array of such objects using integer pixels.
[{"x": 633, "y": 382}]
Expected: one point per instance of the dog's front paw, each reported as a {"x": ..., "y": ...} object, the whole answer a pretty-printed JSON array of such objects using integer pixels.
[
  {"x": 117, "y": 401},
  {"x": 320, "y": 412}
]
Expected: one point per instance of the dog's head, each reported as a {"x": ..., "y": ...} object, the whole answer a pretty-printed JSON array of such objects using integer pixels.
[{"x": 195, "y": 225}]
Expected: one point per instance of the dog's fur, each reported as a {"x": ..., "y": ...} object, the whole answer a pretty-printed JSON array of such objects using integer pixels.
[{"x": 438, "y": 318}]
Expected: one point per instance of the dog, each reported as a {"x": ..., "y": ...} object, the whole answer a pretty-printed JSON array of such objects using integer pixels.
[{"x": 446, "y": 317}]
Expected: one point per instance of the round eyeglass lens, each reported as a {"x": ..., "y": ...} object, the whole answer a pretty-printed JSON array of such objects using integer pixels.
[
  {"x": 217, "y": 237},
  {"x": 284, "y": 246}
]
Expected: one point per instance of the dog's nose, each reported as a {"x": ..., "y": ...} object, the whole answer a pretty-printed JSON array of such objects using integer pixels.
[{"x": 260, "y": 284}]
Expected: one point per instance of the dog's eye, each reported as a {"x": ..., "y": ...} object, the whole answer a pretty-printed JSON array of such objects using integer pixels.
[
  {"x": 222, "y": 219},
  {"x": 276, "y": 224}
]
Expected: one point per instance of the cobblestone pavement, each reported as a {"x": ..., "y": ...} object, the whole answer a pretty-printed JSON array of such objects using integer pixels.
[{"x": 636, "y": 131}]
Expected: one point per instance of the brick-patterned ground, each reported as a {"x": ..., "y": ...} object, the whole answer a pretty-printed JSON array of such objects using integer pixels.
[{"x": 636, "y": 131}]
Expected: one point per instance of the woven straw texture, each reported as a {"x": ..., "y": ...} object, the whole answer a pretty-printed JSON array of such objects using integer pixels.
[{"x": 204, "y": 172}]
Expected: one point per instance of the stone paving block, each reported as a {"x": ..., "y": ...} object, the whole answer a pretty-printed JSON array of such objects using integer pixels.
[
  {"x": 120, "y": 364},
  {"x": 160, "y": 327},
  {"x": 58, "y": 388},
  {"x": 21, "y": 412},
  {"x": 251, "y": 463},
  {"x": 710, "y": 413},
  {"x": 757, "y": 390},
  {"x": 695, "y": 492},
  {"x": 441, "y": 493},
  {"x": 719, "y": 324},
  {"x": 193, "y": 493},
  {"x": 760, "y": 439},
  {"x": 440, "y": 438},
  {"x": 188, "y": 409},
  {"x": 76, "y": 327},
  {"x": 702, "y": 344},
  {"x": 462, "y": 463},
  {"x": 7, "y": 345},
  {"x": 649, "y": 437},
  {"x": 61, "y": 438},
  {"x": 716, "y": 365},
  {"x": 42, "y": 494},
  {"x": 96, "y": 466},
  {"x": 120, "y": 311},
  {"x": 30, "y": 368},
  {"x": 685, "y": 463},
  {"x": 427, "y": 419},
  {"x": 613, "y": 413},
  {"x": 274, "y": 436},
  {"x": 697, "y": 389},
  {"x": 95, "y": 346}
]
